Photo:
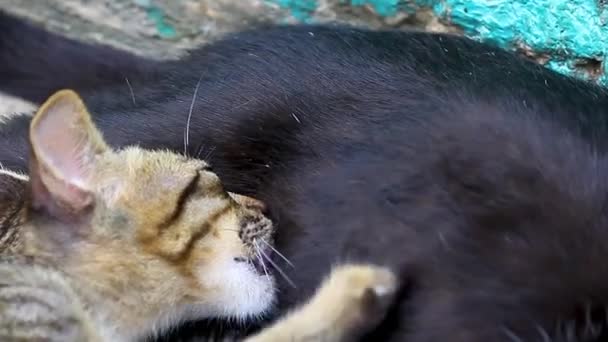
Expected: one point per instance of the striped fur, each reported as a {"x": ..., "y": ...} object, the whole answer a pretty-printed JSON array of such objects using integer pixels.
[
  {"x": 12, "y": 209},
  {"x": 38, "y": 304}
]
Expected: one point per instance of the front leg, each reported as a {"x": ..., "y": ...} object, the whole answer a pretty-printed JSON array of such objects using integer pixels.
[{"x": 350, "y": 302}]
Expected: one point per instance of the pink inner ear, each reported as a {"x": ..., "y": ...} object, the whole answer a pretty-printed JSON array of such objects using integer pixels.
[
  {"x": 64, "y": 146},
  {"x": 60, "y": 140},
  {"x": 62, "y": 201}
]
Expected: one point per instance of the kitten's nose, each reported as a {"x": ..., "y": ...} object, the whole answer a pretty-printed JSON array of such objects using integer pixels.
[{"x": 256, "y": 230}]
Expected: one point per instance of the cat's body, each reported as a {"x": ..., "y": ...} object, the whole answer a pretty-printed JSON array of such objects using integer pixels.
[{"x": 477, "y": 175}]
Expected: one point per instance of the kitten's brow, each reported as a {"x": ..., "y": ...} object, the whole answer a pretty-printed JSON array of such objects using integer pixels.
[{"x": 181, "y": 201}]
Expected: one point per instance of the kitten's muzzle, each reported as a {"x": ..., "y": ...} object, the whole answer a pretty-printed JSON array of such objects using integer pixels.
[
  {"x": 260, "y": 262},
  {"x": 256, "y": 230}
]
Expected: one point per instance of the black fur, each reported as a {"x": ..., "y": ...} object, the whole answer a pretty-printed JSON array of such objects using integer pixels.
[
  {"x": 475, "y": 174},
  {"x": 29, "y": 51}
]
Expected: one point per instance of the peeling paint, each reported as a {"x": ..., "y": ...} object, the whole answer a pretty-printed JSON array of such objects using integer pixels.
[{"x": 570, "y": 35}]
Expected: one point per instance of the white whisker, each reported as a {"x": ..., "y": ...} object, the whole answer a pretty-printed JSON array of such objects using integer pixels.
[
  {"x": 511, "y": 335},
  {"x": 257, "y": 251},
  {"x": 296, "y": 118},
  {"x": 278, "y": 269},
  {"x": 200, "y": 150},
  {"x": 208, "y": 155},
  {"x": 278, "y": 253},
  {"x": 187, "y": 133},
  {"x": 131, "y": 90}
]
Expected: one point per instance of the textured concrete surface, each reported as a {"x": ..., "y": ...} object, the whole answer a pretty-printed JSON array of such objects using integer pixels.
[
  {"x": 161, "y": 29},
  {"x": 569, "y": 36},
  {"x": 167, "y": 28},
  {"x": 158, "y": 29}
]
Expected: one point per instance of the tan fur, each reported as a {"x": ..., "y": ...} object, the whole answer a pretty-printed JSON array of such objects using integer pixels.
[
  {"x": 110, "y": 241},
  {"x": 350, "y": 302},
  {"x": 112, "y": 223}
]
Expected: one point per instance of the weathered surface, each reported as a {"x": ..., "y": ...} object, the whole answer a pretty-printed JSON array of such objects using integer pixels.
[
  {"x": 569, "y": 36},
  {"x": 161, "y": 29},
  {"x": 167, "y": 28},
  {"x": 164, "y": 29}
]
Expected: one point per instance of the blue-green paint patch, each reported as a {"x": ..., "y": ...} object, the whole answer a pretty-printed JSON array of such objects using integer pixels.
[
  {"x": 389, "y": 8},
  {"x": 165, "y": 30},
  {"x": 301, "y": 10},
  {"x": 567, "y": 31},
  {"x": 385, "y": 8},
  {"x": 565, "y": 27}
]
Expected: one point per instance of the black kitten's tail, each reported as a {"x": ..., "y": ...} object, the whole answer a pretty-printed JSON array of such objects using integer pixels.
[{"x": 34, "y": 62}]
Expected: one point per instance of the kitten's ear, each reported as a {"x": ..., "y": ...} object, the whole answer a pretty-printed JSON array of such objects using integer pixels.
[{"x": 64, "y": 144}]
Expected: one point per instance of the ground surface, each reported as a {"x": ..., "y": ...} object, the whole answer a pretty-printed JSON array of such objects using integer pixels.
[
  {"x": 568, "y": 36},
  {"x": 167, "y": 28}
]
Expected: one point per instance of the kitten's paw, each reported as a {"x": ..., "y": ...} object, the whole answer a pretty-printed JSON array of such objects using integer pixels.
[
  {"x": 362, "y": 293},
  {"x": 351, "y": 301}
]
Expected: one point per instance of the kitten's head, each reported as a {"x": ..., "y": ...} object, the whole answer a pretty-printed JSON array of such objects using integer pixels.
[{"x": 152, "y": 233}]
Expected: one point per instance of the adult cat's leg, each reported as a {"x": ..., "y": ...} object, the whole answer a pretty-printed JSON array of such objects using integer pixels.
[{"x": 350, "y": 302}]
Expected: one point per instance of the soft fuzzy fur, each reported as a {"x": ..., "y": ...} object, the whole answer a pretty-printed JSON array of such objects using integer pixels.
[{"x": 476, "y": 174}]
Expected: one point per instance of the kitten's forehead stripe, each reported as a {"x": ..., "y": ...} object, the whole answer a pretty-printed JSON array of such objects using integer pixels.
[
  {"x": 205, "y": 228},
  {"x": 182, "y": 199}
]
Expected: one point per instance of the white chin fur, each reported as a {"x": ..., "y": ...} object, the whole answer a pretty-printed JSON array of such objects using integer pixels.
[
  {"x": 242, "y": 292},
  {"x": 240, "y": 295}
]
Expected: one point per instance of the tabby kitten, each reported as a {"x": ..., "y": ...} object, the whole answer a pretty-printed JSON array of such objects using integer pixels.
[{"x": 117, "y": 245}]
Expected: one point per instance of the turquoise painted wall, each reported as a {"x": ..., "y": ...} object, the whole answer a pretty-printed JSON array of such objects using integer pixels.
[{"x": 571, "y": 34}]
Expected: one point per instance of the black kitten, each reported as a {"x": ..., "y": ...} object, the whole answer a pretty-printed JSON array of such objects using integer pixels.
[{"x": 477, "y": 175}]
